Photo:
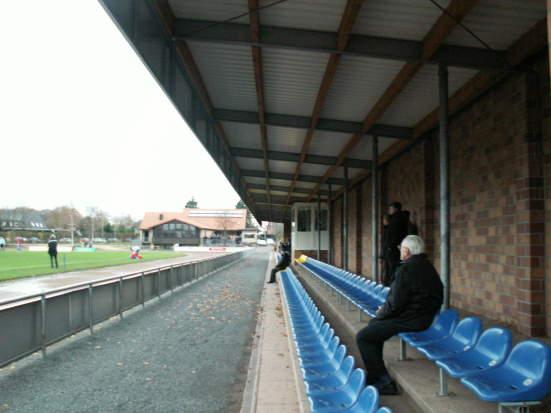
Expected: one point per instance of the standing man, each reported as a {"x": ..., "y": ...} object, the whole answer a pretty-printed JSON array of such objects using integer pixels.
[
  {"x": 284, "y": 261},
  {"x": 414, "y": 299},
  {"x": 397, "y": 231},
  {"x": 52, "y": 250}
]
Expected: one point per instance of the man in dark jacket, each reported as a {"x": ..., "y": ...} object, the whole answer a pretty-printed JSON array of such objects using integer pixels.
[
  {"x": 397, "y": 230},
  {"x": 52, "y": 251},
  {"x": 414, "y": 299},
  {"x": 284, "y": 261}
]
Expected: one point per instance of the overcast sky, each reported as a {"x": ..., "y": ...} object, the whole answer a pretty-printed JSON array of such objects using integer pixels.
[{"x": 83, "y": 122}]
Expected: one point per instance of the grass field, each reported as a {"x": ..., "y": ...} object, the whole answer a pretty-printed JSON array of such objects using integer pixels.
[{"x": 17, "y": 264}]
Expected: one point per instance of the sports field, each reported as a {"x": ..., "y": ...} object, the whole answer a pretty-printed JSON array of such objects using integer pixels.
[{"x": 16, "y": 264}]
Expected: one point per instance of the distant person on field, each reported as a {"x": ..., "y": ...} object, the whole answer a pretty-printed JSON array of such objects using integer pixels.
[
  {"x": 52, "y": 251},
  {"x": 2, "y": 244},
  {"x": 414, "y": 299},
  {"x": 284, "y": 261}
]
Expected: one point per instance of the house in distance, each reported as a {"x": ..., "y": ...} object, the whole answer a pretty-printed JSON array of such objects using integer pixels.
[{"x": 193, "y": 227}]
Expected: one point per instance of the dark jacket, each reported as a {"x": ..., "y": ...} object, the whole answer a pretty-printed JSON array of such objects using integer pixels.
[
  {"x": 416, "y": 294},
  {"x": 384, "y": 241},
  {"x": 397, "y": 229},
  {"x": 52, "y": 247}
]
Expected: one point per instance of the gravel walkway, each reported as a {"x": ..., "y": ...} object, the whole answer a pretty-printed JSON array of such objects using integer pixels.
[{"x": 186, "y": 353}]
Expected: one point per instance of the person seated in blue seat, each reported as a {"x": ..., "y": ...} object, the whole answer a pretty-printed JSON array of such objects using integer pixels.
[
  {"x": 415, "y": 297},
  {"x": 284, "y": 262}
]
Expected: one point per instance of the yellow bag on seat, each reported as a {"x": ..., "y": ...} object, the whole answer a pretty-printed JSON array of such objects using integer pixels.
[{"x": 302, "y": 259}]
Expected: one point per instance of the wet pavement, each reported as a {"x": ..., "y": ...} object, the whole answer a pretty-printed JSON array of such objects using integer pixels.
[
  {"x": 40, "y": 284},
  {"x": 185, "y": 353}
]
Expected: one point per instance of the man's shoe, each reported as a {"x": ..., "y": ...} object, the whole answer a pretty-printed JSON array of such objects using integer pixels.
[
  {"x": 388, "y": 389},
  {"x": 270, "y": 282}
]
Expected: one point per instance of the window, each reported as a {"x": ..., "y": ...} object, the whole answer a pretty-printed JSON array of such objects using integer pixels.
[
  {"x": 323, "y": 219},
  {"x": 303, "y": 220}
]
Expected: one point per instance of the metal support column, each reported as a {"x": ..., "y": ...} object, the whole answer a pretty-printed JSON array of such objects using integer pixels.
[
  {"x": 375, "y": 210},
  {"x": 344, "y": 221},
  {"x": 319, "y": 226},
  {"x": 444, "y": 183},
  {"x": 330, "y": 226}
]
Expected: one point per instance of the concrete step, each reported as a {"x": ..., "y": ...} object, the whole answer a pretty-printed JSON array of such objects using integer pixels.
[{"x": 417, "y": 377}]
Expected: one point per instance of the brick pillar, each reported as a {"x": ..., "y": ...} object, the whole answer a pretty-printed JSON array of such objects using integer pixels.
[
  {"x": 530, "y": 217},
  {"x": 359, "y": 218}
]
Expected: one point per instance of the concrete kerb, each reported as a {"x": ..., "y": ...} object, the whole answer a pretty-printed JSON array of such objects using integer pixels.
[
  {"x": 248, "y": 404},
  {"x": 250, "y": 395}
]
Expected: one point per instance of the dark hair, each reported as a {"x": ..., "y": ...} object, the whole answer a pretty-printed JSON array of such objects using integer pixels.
[{"x": 396, "y": 205}]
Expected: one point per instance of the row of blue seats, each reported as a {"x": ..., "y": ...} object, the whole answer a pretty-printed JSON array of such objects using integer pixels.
[
  {"x": 484, "y": 361},
  {"x": 365, "y": 294},
  {"x": 332, "y": 384}
]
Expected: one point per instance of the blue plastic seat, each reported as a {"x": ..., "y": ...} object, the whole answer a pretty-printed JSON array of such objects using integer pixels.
[
  {"x": 321, "y": 347},
  {"x": 489, "y": 352},
  {"x": 441, "y": 328},
  {"x": 524, "y": 376},
  {"x": 384, "y": 410},
  {"x": 333, "y": 381},
  {"x": 368, "y": 402},
  {"x": 327, "y": 368},
  {"x": 463, "y": 338},
  {"x": 340, "y": 399}
]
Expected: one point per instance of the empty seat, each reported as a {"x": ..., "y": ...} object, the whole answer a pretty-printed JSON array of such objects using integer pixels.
[
  {"x": 339, "y": 399},
  {"x": 441, "y": 328},
  {"x": 368, "y": 402},
  {"x": 333, "y": 381},
  {"x": 524, "y": 376},
  {"x": 463, "y": 338},
  {"x": 490, "y": 351}
]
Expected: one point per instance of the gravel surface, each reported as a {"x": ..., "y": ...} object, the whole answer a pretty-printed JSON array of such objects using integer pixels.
[{"x": 186, "y": 353}]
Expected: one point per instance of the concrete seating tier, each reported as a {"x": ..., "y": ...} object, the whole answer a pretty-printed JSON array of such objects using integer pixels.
[
  {"x": 331, "y": 381},
  {"x": 484, "y": 360}
]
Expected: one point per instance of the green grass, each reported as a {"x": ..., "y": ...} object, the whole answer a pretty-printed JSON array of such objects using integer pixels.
[{"x": 17, "y": 264}]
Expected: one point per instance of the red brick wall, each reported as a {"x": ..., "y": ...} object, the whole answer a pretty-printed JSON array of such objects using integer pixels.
[
  {"x": 366, "y": 228},
  {"x": 352, "y": 227},
  {"x": 500, "y": 176}
]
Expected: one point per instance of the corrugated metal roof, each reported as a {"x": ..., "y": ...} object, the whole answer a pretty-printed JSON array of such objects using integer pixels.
[
  {"x": 420, "y": 97},
  {"x": 328, "y": 143},
  {"x": 228, "y": 73},
  {"x": 285, "y": 139},
  {"x": 302, "y": 184},
  {"x": 251, "y": 163},
  {"x": 498, "y": 22},
  {"x": 255, "y": 180},
  {"x": 313, "y": 169},
  {"x": 324, "y": 15},
  {"x": 210, "y": 10},
  {"x": 243, "y": 135},
  {"x": 402, "y": 19},
  {"x": 292, "y": 80},
  {"x": 358, "y": 84},
  {"x": 283, "y": 166},
  {"x": 363, "y": 149}
]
